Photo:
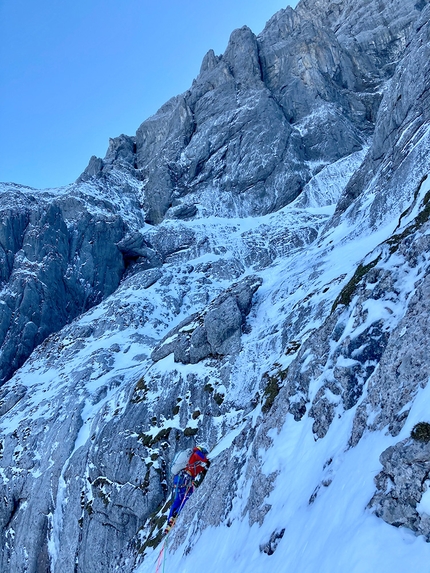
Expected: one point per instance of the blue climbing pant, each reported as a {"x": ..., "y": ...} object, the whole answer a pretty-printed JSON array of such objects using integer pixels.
[{"x": 182, "y": 489}]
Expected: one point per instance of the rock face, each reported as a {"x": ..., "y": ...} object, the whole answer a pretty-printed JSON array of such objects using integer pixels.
[
  {"x": 59, "y": 258},
  {"x": 214, "y": 332},
  {"x": 401, "y": 485},
  {"x": 255, "y": 258},
  {"x": 263, "y": 118},
  {"x": 402, "y": 119},
  {"x": 403, "y": 368}
]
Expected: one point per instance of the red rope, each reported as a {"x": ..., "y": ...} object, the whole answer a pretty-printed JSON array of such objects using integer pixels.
[{"x": 161, "y": 559}]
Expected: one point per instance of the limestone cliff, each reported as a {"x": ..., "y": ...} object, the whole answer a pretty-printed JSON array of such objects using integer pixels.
[{"x": 251, "y": 270}]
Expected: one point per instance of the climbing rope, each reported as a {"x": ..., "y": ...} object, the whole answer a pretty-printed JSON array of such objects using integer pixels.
[
  {"x": 161, "y": 556},
  {"x": 160, "y": 559}
]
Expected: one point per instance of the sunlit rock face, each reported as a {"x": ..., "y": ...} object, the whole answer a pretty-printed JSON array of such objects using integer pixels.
[{"x": 255, "y": 256}]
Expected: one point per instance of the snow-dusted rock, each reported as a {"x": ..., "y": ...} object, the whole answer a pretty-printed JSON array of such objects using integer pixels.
[
  {"x": 195, "y": 285},
  {"x": 401, "y": 485},
  {"x": 60, "y": 257},
  {"x": 214, "y": 332}
]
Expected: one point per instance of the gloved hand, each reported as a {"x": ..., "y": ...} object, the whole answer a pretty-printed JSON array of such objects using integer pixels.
[{"x": 199, "y": 478}]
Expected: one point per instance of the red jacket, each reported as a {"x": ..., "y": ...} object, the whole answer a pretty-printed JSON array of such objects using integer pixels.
[{"x": 197, "y": 463}]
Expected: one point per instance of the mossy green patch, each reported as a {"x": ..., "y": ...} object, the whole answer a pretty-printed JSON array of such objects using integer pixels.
[
  {"x": 421, "y": 432},
  {"x": 219, "y": 398},
  {"x": 140, "y": 391},
  {"x": 348, "y": 290},
  {"x": 152, "y": 540},
  {"x": 155, "y": 523},
  {"x": 274, "y": 382},
  {"x": 422, "y": 217},
  {"x": 148, "y": 440},
  {"x": 190, "y": 432},
  {"x": 162, "y": 435}
]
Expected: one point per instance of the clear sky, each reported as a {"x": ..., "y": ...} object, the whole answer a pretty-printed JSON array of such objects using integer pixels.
[{"x": 75, "y": 72}]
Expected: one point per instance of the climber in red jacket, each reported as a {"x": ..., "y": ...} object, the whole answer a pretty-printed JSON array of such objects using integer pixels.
[
  {"x": 186, "y": 480},
  {"x": 198, "y": 462}
]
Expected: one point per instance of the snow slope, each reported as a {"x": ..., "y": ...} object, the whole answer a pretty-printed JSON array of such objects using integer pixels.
[
  {"x": 319, "y": 519},
  {"x": 320, "y": 373}
]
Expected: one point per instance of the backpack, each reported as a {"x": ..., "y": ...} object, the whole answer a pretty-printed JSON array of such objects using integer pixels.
[{"x": 180, "y": 461}]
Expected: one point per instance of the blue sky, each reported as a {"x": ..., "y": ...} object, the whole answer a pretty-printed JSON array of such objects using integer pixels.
[{"x": 74, "y": 73}]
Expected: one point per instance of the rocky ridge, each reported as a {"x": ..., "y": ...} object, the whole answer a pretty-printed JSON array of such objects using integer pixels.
[{"x": 249, "y": 270}]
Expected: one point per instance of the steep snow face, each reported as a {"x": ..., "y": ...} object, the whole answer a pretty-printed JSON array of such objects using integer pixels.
[
  {"x": 276, "y": 311},
  {"x": 295, "y": 488},
  {"x": 93, "y": 423},
  {"x": 256, "y": 128},
  {"x": 86, "y": 421}
]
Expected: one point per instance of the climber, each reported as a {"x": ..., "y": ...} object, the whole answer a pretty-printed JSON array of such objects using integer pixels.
[{"x": 186, "y": 479}]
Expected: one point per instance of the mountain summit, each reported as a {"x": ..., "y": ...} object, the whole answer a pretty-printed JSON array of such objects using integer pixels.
[{"x": 249, "y": 271}]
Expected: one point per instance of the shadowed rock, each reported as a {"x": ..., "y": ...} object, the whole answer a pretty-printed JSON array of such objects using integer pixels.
[
  {"x": 214, "y": 332},
  {"x": 401, "y": 485}
]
